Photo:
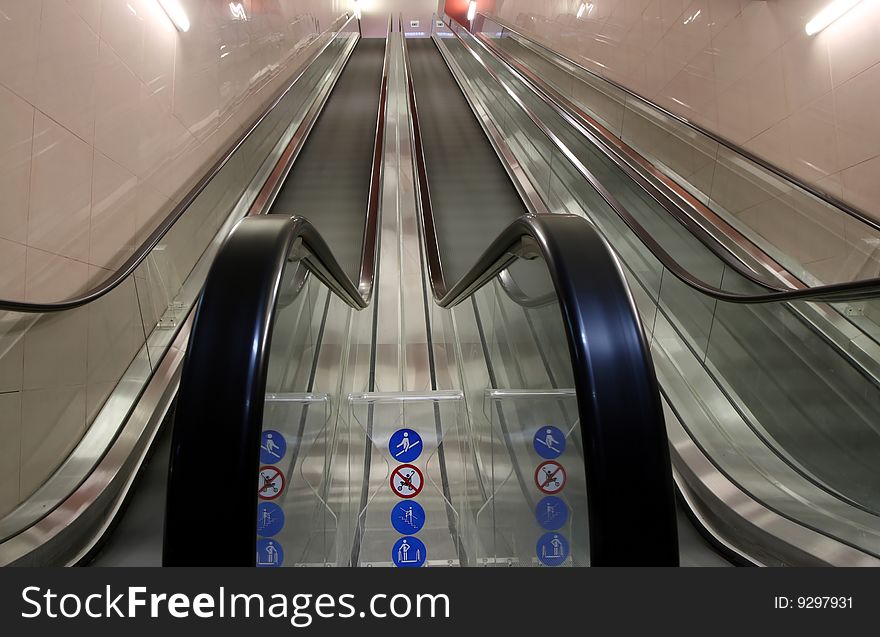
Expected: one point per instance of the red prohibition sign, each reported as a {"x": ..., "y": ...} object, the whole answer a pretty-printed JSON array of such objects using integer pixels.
[
  {"x": 407, "y": 481},
  {"x": 550, "y": 477},
  {"x": 271, "y": 483}
]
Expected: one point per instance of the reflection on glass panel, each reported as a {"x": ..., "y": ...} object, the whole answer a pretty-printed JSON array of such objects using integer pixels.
[
  {"x": 530, "y": 507},
  {"x": 783, "y": 397},
  {"x": 75, "y": 375}
]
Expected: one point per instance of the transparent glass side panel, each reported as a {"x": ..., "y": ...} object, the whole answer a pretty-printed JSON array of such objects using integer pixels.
[
  {"x": 162, "y": 280},
  {"x": 764, "y": 206},
  {"x": 552, "y": 171},
  {"x": 303, "y": 486},
  {"x": 70, "y": 379},
  {"x": 296, "y": 523},
  {"x": 411, "y": 511},
  {"x": 786, "y": 410},
  {"x": 530, "y": 496},
  {"x": 535, "y": 512}
]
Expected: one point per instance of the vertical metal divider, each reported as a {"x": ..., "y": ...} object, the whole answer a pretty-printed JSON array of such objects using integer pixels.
[{"x": 372, "y": 238}]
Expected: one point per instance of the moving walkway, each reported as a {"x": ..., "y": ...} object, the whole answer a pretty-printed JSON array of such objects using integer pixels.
[
  {"x": 336, "y": 377},
  {"x": 438, "y": 293},
  {"x": 765, "y": 349}
]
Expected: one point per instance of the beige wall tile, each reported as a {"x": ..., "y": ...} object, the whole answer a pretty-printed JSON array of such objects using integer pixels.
[
  {"x": 16, "y": 142},
  {"x": 114, "y": 213},
  {"x": 10, "y": 450},
  {"x": 744, "y": 69},
  {"x": 857, "y": 104},
  {"x": 89, "y": 11},
  {"x": 53, "y": 421},
  {"x": 813, "y": 140},
  {"x": 114, "y": 334},
  {"x": 807, "y": 69},
  {"x": 50, "y": 277},
  {"x": 12, "y": 270},
  {"x": 94, "y": 150},
  {"x": 861, "y": 184},
  {"x": 156, "y": 68},
  {"x": 122, "y": 28},
  {"x": 773, "y": 145},
  {"x": 60, "y": 192},
  {"x": 118, "y": 94},
  {"x": 77, "y": 73},
  {"x": 66, "y": 61},
  {"x": 853, "y": 42},
  {"x": 55, "y": 350},
  {"x": 19, "y": 37},
  {"x": 768, "y": 102}
]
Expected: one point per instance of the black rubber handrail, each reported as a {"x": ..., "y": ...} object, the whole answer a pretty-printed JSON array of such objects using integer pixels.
[
  {"x": 828, "y": 198},
  {"x": 830, "y": 293},
  {"x": 621, "y": 419},
  {"x": 141, "y": 253},
  {"x": 233, "y": 333},
  {"x": 516, "y": 294},
  {"x": 224, "y": 381},
  {"x": 219, "y": 412}
]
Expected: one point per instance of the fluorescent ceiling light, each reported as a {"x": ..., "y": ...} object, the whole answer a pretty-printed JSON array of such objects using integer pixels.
[
  {"x": 237, "y": 11},
  {"x": 176, "y": 13},
  {"x": 472, "y": 10},
  {"x": 585, "y": 6},
  {"x": 828, "y": 15}
]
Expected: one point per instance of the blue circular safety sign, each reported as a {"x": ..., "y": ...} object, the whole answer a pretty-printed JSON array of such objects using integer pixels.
[
  {"x": 273, "y": 446},
  {"x": 407, "y": 517},
  {"x": 405, "y": 445},
  {"x": 549, "y": 442},
  {"x": 270, "y": 519},
  {"x": 551, "y": 513},
  {"x": 409, "y": 552},
  {"x": 269, "y": 553},
  {"x": 552, "y": 549}
]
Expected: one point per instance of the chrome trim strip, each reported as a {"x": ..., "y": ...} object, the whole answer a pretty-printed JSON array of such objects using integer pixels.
[
  {"x": 761, "y": 535},
  {"x": 67, "y": 534}
]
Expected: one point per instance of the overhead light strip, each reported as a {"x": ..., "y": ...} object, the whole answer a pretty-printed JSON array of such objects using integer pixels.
[{"x": 828, "y": 15}]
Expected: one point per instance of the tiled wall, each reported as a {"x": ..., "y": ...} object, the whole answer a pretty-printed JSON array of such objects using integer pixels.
[
  {"x": 744, "y": 69},
  {"x": 375, "y": 14},
  {"x": 108, "y": 115}
]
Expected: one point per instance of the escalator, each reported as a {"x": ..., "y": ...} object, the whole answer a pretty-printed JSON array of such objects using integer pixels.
[
  {"x": 417, "y": 422},
  {"x": 457, "y": 328},
  {"x": 769, "y": 385}
]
